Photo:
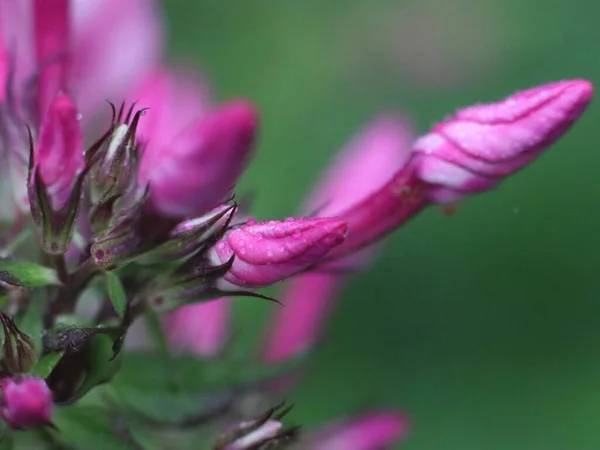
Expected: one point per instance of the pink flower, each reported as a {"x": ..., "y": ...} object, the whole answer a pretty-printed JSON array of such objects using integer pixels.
[
  {"x": 26, "y": 402},
  {"x": 199, "y": 328},
  {"x": 197, "y": 168},
  {"x": 481, "y": 145},
  {"x": 371, "y": 431},
  {"x": 267, "y": 252},
  {"x": 59, "y": 149}
]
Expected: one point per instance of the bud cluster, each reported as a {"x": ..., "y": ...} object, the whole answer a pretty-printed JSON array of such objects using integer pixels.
[{"x": 143, "y": 227}]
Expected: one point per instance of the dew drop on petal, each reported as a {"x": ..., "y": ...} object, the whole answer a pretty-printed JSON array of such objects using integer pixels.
[
  {"x": 251, "y": 222},
  {"x": 297, "y": 235},
  {"x": 289, "y": 219}
]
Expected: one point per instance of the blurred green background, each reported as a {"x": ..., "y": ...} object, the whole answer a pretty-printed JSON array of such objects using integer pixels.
[{"x": 483, "y": 326}]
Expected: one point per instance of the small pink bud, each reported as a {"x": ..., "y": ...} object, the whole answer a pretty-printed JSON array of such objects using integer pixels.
[
  {"x": 202, "y": 164},
  {"x": 307, "y": 301},
  {"x": 371, "y": 431},
  {"x": 52, "y": 42},
  {"x": 272, "y": 251},
  {"x": 26, "y": 402},
  {"x": 200, "y": 328},
  {"x": 260, "y": 435},
  {"x": 365, "y": 164},
  {"x": 481, "y": 145},
  {"x": 59, "y": 149}
]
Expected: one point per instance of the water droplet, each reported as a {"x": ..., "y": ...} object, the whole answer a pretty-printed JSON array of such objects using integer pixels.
[
  {"x": 251, "y": 222},
  {"x": 297, "y": 235},
  {"x": 79, "y": 116},
  {"x": 270, "y": 254},
  {"x": 241, "y": 242},
  {"x": 251, "y": 246},
  {"x": 259, "y": 236},
  {"x": 289, "y": 219},
  {"x": 221, "y": 245},
  {"x": 243, "y": 251}
]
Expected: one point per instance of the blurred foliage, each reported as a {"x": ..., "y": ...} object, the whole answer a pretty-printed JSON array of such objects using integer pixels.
[{"x": 485, "y": 325}]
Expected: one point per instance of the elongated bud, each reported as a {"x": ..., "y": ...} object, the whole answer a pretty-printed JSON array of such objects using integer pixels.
[
  {"x": 297, "y": 326},
  {"x": 267, "y": 252},
  {"x": 116, "y": 158},
  {"x": 200, "y": 329},
  {"x": 479, "y": 146},
  {"x": 202, "y": 164},
  {"x": 52, "y": 42},
  {"x": 18, "y": 351},
  {"x": 371, "y": 431},
  {"x": 26, "y": 402},
  {"x": 58, "y": 154},
  {"x": 468, "y": 154}
]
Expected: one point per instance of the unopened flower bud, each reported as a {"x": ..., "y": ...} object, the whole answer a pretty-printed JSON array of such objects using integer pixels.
[
  {"x": 198, "y": 169},
  {"x": 58, "y": 153},
  {"x": 26, "y": 402},
  {"x": 371, "y": 431},
  {"x": 481, "y": 145},
  {"x": 267, "y": 252},
  {"x": 260, "y": 435}
]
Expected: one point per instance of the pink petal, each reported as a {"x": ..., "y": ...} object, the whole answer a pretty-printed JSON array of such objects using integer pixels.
[
  {"x": 59, "y": 148},
  {"x": 116, "y": 42},
  {"x": 297, "y": 326},
  {"x": 372, "y": 431},
  {"x": 200, "y": 167},
  {"x": 364, "y": 165},
  {"x": 174, "y": 101},
  {"x": 52, "y": 22},
  {"x": 478, "y": 147},
  {"x": 200, "y": 328},
  {"x": 272, "y": 251}
]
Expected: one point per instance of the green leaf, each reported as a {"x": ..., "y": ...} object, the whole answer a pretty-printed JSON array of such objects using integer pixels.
[
  {"x": 28, "y": 274},
  {"x": 46, "y": 365},
  {"x": 101, "y": 367},
  {"x": 116, "y": 292},
  {"x": 88, "y": 427},
  {"x": 6, "y": 442}
]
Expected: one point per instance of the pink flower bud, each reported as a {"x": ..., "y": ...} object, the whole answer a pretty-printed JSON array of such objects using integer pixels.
[
  {"x": 198, "y": 169},
  {"x": 59, "y": 149},
  {"x": 371, "y": 431},
  {"x": 26, "y": 402},
  {"x": 271, "y": 251},
  {"x": 260, "y": 435},
  {"x": 307, "y": 301},
  {"x": 200, "y": 328},
  {"x": 366, "y": 163},
  {"x": 481, "y": 145},
  {"x": 52, "y": 42}
]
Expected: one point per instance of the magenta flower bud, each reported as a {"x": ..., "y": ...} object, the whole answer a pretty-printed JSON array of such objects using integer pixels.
[
  {"x": 26, "y": 402},
  {"x": 52, "y": 41},
  {"x": 59, "y": 153},
  {"x": 296, "y": 327},
  {"x": 267, "y": 252},
  {"x": 265, "y": 432},
  {"x": 481, "y": 145},
  {"x": 198, "y": 169},
  {"x": 371, "y": 431},
  {"x": 200, "y": 328}
]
